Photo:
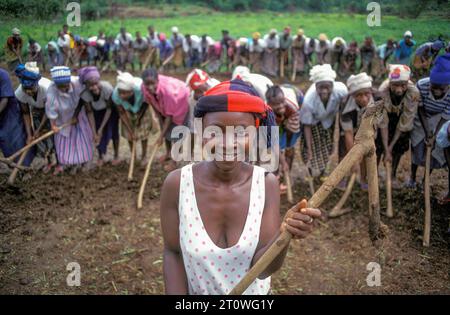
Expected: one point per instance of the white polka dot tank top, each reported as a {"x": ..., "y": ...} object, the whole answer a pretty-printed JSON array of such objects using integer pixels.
[{"x": 209, "y": 268}]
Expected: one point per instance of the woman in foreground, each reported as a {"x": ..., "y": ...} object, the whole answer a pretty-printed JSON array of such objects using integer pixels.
[{"x": 226, "y": 214}]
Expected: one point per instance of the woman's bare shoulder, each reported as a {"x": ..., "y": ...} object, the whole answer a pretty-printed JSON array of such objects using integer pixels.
[
  {"x": 171, "y": 186},
  {"x": 172, "y": 180},
  {"x": 271, "y": 182}
]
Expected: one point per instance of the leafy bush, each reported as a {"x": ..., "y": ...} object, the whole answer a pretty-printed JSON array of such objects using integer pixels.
[
  {"x": 30, "y": 8},
  {"x": 92, "y": 10}
]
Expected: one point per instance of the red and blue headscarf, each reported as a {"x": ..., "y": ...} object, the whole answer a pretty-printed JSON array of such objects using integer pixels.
[{"x": 236, "y": 96}]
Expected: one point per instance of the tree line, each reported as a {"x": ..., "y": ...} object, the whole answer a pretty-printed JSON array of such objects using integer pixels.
[{"x": 91, "y": 9}]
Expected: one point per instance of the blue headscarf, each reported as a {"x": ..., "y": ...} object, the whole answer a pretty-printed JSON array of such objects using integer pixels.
[
  {"x": 440, "y": 74},
  {"x": 27, "y": 78},
  {"x": 61, "y": 74},
  {"x": 438, "y": 45}
]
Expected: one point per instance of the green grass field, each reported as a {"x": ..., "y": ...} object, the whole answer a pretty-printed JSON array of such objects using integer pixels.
[{"x": 244, "y": 24}]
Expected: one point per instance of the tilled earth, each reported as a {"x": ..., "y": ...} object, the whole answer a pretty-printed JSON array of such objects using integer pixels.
[{"x": 91, "y": 218}]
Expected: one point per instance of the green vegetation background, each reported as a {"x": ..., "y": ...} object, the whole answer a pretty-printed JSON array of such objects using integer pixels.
[{"x": 337, "y": 18}]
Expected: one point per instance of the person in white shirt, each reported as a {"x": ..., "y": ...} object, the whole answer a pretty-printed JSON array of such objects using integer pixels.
[
  {"x": 64, "y": 46},
  {"x": 176, "y": 40},
  {"x": 152, "y": 36},
  {"x": 317, "y": 115},
  {"x": 256, "y": 49},
  {"x": 205, "y": 43},
  {"x": 298, "y": 51},
  {"x": 310, "y": 49},
  {"x": 337, "y": 49},
  {"x": 153, "y": 41},
  {"x": 35, "y": 52},
  {"x": 126, "y": 55},
  {"x": 141, "y": 50},
  {"x": 270, "y": 62},
  {"x": 199, "y": 82},
  {"x": 191, "y": 48},
  {"x": 31, "y": 95},
  {"x": 323, "y": 49}
]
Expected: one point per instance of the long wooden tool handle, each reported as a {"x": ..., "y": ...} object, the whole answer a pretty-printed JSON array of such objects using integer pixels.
[
  {"x": 290, "y": 195},
  {"x": 133, "y": 158},
  {"x": 144, "y": 180},
  {"x": 36, "y": 141},
  {"x": 310, "y": 181},
  {"x": 282, "y": 65},
  {"x": 334, "y": 158},
  {"x": 12, "y": 177},
  {"x": 12, "y": 164},
  {"x": 353, "y": 157},
  {"x": 427, "y": 226},
  {"x": 337, "y": 208},
  {"x": 389, "y": 210},
  {"x": 308, "y": 178},
  {"x": 106, "y": 66},
  {"x": 294, "y": 71},
  {"x": 375, "y": 231},
  {"x": 147, "y": 59},
  {"x": 336, "y": 134}
]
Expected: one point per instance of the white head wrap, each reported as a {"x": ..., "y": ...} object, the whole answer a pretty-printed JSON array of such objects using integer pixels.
[
  {"x": 338, "y": 39},
  {"x": 243, "y": 41},
  {"x": 359, "y": 82},
  {"x": 399, "y": 73},
  {"x": 174, "y": 29},
  {"x": 32, "y": 67},
  {"x": 321, "y": 73},
  {"x": 240, "y": 71},
  {"x": 126, "y": 81}
]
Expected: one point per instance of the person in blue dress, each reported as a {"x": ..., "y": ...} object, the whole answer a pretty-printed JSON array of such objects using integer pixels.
[
  {"x": 405, "y": 49},
  {"x": 12, "y": 130}
]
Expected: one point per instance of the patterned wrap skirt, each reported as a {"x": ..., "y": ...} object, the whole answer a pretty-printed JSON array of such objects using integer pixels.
[
  {"x": 141, "y": 131},
  {"x": 78, "y": 146},
  {"x": 322, "y": 145}
]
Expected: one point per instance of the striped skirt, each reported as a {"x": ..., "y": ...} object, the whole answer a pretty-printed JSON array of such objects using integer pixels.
[{"x": 78, "y": 146}]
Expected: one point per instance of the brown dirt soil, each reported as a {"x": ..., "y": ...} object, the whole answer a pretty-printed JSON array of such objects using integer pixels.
[{"x": 91, "y": 218}]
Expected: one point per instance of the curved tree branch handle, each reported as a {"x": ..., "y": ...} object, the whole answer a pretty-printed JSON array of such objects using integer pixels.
[
  {"x": 144, "y": 180},
  {"x": 133, "y": 158},
  {"x": 427, "y": 225},
  {"x": 12, "y": 177},
  {"x": 389, "y": 210},
  {"x": 36, "y": 141},
  {"x": 364, "y": 146}
]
